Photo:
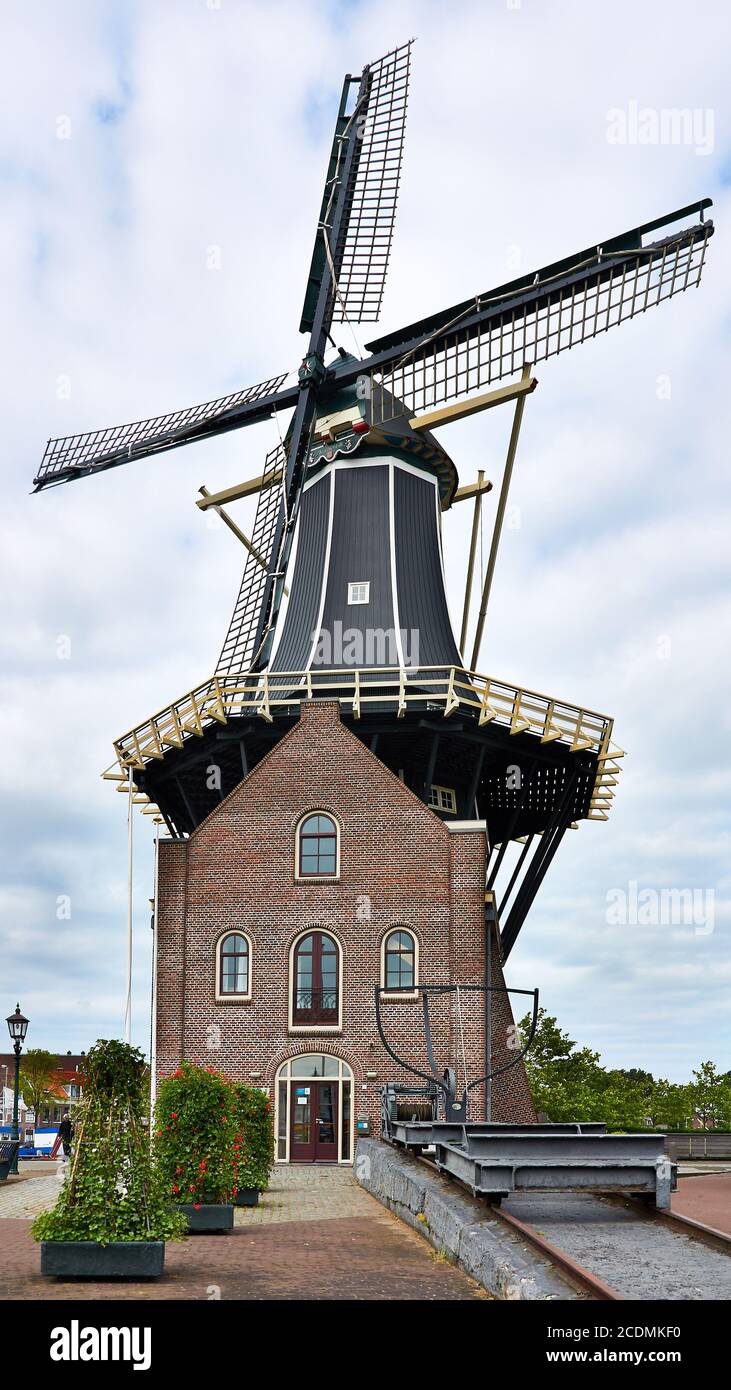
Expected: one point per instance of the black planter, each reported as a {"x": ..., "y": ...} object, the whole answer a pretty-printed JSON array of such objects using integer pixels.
[
  {"x": 209, "y": 1216},
  {"x": 247, "y": 1197},
  {"x": 87, "y": 1259}
]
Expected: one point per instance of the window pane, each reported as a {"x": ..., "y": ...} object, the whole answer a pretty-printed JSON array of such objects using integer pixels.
[
  {"x": 310, "y": 826},
  {"x": 282, "y": 1126},
  {"x": 345, "y": 1121},
  {"x": 311, "y": 1065},
  {"x": 330, "y": 1066}
]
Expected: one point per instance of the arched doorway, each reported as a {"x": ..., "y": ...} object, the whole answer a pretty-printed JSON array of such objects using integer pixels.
[{"x": 314, "y": 1110}]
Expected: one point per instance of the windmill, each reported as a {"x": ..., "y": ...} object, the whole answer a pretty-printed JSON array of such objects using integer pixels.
[{"x": 346, "y": 541}]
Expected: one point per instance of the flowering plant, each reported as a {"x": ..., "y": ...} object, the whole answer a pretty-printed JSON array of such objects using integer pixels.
[
  {"x": 254, "y": 1142},
  {"x": 195, "y": 1128}
]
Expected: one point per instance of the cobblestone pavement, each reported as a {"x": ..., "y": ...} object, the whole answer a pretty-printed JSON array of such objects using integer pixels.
[
  {"x": 307, "y": 1193},
  {"x": 315, "y": 1235},
  {"x": 29, "y": 1195}
]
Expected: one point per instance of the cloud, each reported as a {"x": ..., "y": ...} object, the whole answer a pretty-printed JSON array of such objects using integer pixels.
[{"x": 200, "y": 126}]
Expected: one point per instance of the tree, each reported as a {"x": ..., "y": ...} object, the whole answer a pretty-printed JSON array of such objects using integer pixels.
[
  {"x": 671, "y": 1105},
  {"x": 711, "y": 1096},
  {"x": 570, "y": 1084},
  {"x": 35, "y": 1078}
]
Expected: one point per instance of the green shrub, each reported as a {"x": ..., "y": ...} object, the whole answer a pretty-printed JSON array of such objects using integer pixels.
[
  {"x": 195, "y": 1128},
  {"x": 113, "y": 1191},
  {"x": 254, "y": 1143}
]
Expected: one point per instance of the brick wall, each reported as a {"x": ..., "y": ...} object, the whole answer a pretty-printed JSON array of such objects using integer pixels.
[{"x": 399, "y": 866}]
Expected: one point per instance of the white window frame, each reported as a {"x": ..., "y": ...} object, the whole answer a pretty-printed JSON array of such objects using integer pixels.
[
  {"x": 293, "y": 1027},
  {"x": 436, "y": 793},
  {"x": 354, "y": 585},
  {"x": 316, "y": 878},
  {"x": 345, "y": 1073},
  {"x": 222, "y": 998},
  {"x": 400, "y": 993}
]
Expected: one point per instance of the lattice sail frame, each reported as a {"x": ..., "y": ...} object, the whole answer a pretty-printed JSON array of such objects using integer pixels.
[
  {"x": 237, "y": 653},
  {"x": 610, "y": 289},
  {"x": 80, "y": 453},
  {"x": 362, "y": 257}
]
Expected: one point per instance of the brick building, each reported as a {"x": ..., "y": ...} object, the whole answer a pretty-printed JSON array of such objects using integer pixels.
[{"x": 319, "y": 876}]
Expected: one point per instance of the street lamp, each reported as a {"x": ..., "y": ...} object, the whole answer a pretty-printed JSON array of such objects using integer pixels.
[{"x": 17, "y": 1028}]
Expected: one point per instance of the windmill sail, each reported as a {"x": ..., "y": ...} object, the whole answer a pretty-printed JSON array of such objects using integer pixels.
[
  {"x": 484, "y": 339},
  {"x": 76, "y": 455},
  {"x": 237, "y": 653},
  {"x": 361, "y": 250},
  {"x": 364, "y": 250}
]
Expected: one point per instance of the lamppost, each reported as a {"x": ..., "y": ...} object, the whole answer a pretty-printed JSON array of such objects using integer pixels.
[{"x": 17, "y": 1028}]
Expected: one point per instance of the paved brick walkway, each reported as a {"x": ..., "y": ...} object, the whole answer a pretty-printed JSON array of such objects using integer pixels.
[
  {"x": 307, "y": 1193},
  {"x": 706, "y": 1199},
  {"x": 315, "y": 1235}
]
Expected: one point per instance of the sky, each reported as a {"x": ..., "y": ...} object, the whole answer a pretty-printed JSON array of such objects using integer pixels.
[{"x": 161, "y": 168}]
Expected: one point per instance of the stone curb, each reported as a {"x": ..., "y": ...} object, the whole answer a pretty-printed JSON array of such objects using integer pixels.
[{"x": 457, "y": 1225}]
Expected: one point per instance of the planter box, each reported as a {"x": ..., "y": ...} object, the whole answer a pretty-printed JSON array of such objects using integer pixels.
[
  {"x": 87, "y": 1259},
  {"x": 209, "y": 1216},
  {"x": 247, "y": 1197}
]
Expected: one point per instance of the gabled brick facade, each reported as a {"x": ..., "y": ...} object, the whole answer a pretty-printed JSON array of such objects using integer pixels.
[{"x": 400, "y": 866}]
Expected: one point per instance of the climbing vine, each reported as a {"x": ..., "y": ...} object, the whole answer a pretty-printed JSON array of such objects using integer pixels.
[{"x": 113, "y": 1190}]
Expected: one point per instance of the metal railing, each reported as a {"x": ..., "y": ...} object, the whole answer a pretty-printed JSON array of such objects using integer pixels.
[{"x": 315, "y": 1005}]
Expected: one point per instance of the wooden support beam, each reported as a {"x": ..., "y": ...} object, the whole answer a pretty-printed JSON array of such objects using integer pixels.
[
  {"x": 463, "y": 494},
  {"x": 471, "y": 561},
  {"x": 228, "y": 521},
  {"x": 239, "y": 490},
  {"x": 502, "y": 503},
  {"x": 459, "y": 410}
]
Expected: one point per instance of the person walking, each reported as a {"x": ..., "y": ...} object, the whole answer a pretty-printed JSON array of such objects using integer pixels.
[{"x": 65, "y": 1133}]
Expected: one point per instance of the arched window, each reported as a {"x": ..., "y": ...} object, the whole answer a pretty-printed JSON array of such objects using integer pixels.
[
  {"x": 234, "y": 967},
  {"x": 316, "y": 982},
  {"x": 399, "y": 961},
  {"x": 317, "y": 847}
]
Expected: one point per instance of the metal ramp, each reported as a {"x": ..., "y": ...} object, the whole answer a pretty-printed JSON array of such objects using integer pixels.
[{"x": 496, "y": 1160}]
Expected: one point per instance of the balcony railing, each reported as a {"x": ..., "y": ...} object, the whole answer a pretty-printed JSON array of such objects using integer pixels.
[
  {"x": 432, "y": 689},
  {"x": 315, "y": 1006}
]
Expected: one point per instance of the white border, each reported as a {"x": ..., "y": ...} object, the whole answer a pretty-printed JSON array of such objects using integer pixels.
[
  {"x": 309, "y": 1028},
  {"x": 400, "y": 993},
  {"x": 338, "y": 1080},
  {"x": 220, "y": 997},
  {"x": 316, "y": 878}
]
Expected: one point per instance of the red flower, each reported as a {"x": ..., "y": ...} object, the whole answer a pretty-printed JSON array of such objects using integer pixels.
[
  {"x": 192, "y": 1187},
  {"x": 173, "y": 1115},
  {"x": 197, "y": 1206},
  {"x": 175, "y": 1187}
]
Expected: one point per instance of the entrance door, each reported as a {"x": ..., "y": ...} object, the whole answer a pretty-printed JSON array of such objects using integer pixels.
[{"x": 313, "y": 1122}]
